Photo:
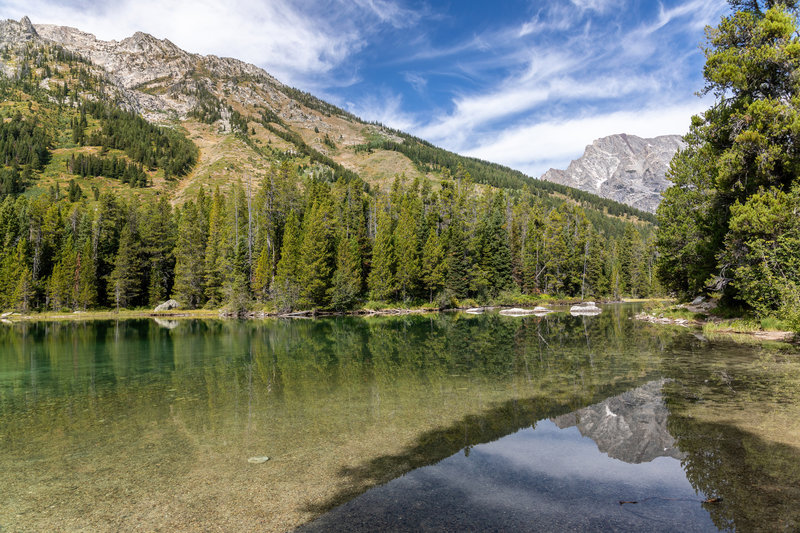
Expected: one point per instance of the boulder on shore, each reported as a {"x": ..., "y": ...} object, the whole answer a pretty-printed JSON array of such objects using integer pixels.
[{"x": 167, "y": 306}]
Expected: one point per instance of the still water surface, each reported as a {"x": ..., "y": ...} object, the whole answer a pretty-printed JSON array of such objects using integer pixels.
[{"x": 441, "y": 422}]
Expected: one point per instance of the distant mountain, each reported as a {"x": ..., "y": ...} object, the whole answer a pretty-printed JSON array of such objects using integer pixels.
[
  {"x": 623, "y": 168},
  {"x": 241, "y": 119}
]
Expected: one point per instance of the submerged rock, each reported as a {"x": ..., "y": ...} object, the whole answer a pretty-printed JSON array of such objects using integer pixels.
[{"x": 516, "y": 311}]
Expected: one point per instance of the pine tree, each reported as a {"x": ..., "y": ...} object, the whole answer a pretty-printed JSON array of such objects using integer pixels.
[
  {"x": 24, "y": 292},
  {"x": 286, "y": 286},
  {"x": 189, "y": 288},
  {"x": 347, "y": 281},
  {"x": 317, "y": 254},
  {"x": 61, "y": 286},
  {"x": 86, "y": 296},
  {"x": 597, "y": 283},
  {"x": 495, "y": 253},
  {"x": 158, "y": 233},
  {"x": 406, "y": 249},
  {"x": 124, "y": 283},
  {"x": 262, "y": 275},
  {"x": 381, "y": 281},
  {"x": 458, "y": 262},
  {"x": 15, "y": 264},
  {"x": 434, "y": 267},
  {"x": 216, "y": 265}
]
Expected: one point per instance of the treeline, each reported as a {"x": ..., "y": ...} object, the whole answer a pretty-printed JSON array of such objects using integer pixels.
[
  {"x": 314, "y": 244},
  {"x": 24, "y": 148},
  {"x": 337, "y": 171},
  {"x": 152, "y": 146},
  {"x": 90, "y": 165},
  {"x": 23, "y": 142},
  {"x": 430, "y": 158}
]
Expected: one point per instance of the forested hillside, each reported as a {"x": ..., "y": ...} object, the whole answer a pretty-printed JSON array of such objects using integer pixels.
[
  {"x": 328, "y": 246},
  {"x": 246, "y": 205},
  {"x": 731, "y": 223}
]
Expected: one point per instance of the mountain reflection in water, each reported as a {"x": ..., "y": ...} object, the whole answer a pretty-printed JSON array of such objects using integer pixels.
[
  {"x": 631, "y": 427},
  {"x": 549, "y": 477}
]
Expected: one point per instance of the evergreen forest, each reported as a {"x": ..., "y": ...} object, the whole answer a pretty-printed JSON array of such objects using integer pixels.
[
  {"x": 730, "y": 225},
  {"x": 287, "y": 245}
]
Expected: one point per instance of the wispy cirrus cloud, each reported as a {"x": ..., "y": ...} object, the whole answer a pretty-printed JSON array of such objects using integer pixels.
[{"x": 571, "y": 77}]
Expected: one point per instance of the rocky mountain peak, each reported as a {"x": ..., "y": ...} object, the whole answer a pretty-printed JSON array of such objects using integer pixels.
[
  {"x": 12, "y": 31},
  {"x": 622, "y": 167},
  {"x": 25, "y": 22}
]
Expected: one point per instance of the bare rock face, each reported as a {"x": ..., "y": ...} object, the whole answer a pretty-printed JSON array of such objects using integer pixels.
[
  {"x": 625, "y": 168},
  {"x": 154, "y": 77},
  {"x": 631, "y": 427},
  {"x": 157, "y": 77}
]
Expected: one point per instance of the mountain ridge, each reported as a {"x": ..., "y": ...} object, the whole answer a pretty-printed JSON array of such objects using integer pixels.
[
  {"x": 622, "y": 167},
  {"x": 169, "y": 86}
]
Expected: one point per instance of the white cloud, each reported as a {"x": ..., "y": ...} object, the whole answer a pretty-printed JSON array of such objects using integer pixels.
[
  {"x": 474, "y": 114},
  {"x": 390, "y": 12},
  {"x": 417, "y": 81},
  {"x": 536, "y": 147},
  {"x": 385, "y": 108},
  {"x": 601, "y": 6}
]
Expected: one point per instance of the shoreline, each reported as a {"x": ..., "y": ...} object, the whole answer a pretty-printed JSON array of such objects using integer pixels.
[
  {"x": 719, "y": 326},
  {"x": 130, "y": 314}
]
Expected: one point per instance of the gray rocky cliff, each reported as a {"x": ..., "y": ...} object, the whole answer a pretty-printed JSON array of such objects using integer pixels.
[
  {"x": 631, "y": 427},
  {"x": 625, "y": 168},
  {"x": 158, "y": 79}
]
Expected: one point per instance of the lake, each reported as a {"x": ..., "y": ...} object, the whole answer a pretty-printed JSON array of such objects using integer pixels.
[{"x": 442, "y": 422}]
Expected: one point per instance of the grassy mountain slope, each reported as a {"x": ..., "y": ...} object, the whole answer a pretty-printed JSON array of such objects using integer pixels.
[{"x": 242, "y": 121}]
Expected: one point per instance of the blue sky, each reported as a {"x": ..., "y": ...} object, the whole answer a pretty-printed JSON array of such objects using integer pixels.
[{"x": 525, "y": 83}]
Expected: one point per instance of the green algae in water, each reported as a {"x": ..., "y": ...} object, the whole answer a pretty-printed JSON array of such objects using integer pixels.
[{"x": 110, "y": 425}]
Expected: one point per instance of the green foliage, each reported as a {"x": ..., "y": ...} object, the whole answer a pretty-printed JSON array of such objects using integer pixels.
[
  {"x": 347, "y": 284},
  {"x": 23, "y": 142},
  {"x": 433, "y": 268},
  {"x": 763, "y": 248},
  {"x": 317, "y": 254},
  {"x": 89, "y": 165},
  {"x": 406, "y": 248},
  {"x": 216, "y": 266},
  {"x": 339, "y": 172},
  {"x": 730, "y": 221},
  {"x": 429, "y": 158},
  {"x": 381, "y": 281},
  {"x": 125, "y": 281},
  {"x": 207, "y": 107},
  {"x": 190, "y": 248},
  {"x": 286, "y": 287},
  {"x": 145, "y": 143}
]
